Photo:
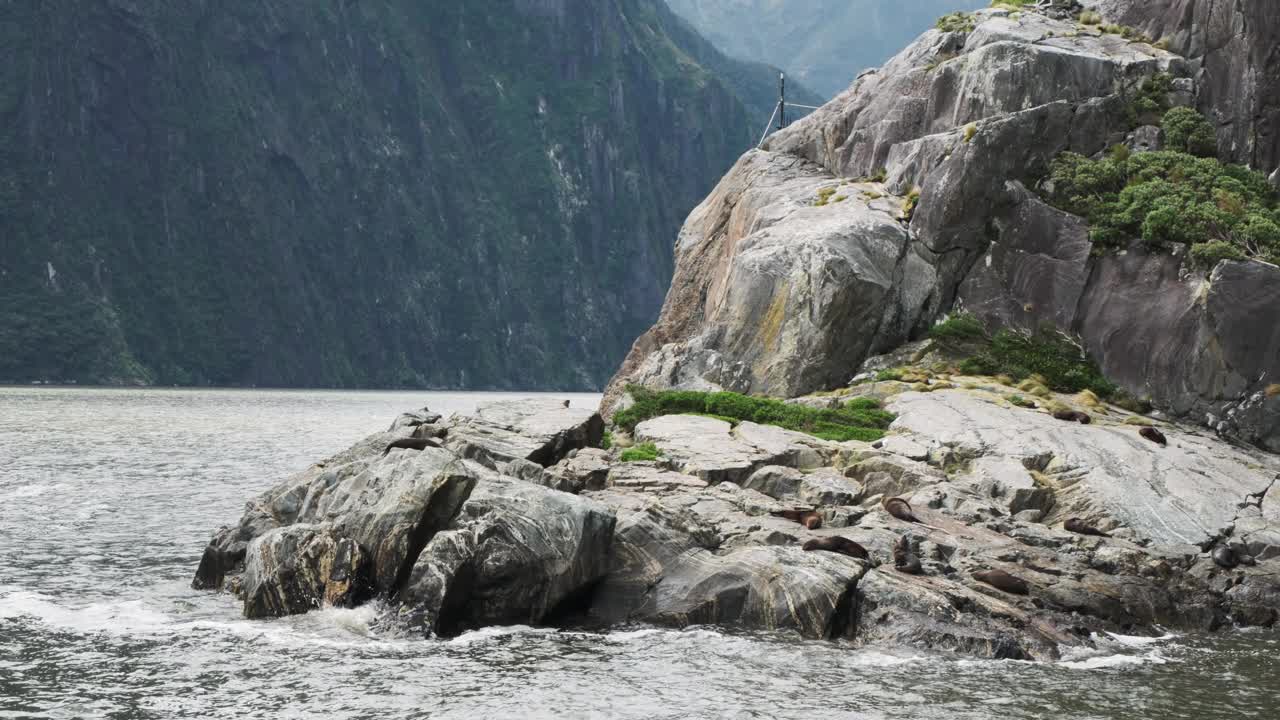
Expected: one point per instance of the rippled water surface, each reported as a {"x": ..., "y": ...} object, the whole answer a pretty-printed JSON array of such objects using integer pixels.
[{"x": 108, "y": 496}]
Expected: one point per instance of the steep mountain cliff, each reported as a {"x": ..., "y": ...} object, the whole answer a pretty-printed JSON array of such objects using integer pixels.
[
  {"x": 342, "y": 193},
  {"x": 824, "y": 43},
  {"x": 926, "y": 188}
]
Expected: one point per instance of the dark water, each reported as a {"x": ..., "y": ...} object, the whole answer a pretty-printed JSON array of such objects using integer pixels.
[{"x": 108, "y": 496}]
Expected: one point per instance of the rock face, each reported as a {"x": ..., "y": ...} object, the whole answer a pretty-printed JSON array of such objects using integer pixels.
[
  {"x": 697, "y": 537},
  {"x": 422, "y": 528},
  {"x": 969, "y": 121},
  {"x": 1233, "y": 49}
]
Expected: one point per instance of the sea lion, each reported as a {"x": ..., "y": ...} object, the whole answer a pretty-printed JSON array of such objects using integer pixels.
[
  {"x": 837, "y": 544},
  {"x": 566, "y": 403},
  {"x": 1083, "y": 418},
  {"x": 1080, "y": 527},
  {"x": 411, "y": 443},
  {"x": 1073, "y": 416},
  {"x": 807, "y": 518},
  {"x": 1002, "y": 580},
  {"x": 1225, "y": 557},
  {"x": 1154, "y": 435},
  {"x": 904, "y": 560},
  {"x": 901, "y": 509}
]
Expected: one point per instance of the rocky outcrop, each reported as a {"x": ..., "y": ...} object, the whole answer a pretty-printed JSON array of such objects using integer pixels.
[
  {"x": 1201, "y": 345},
  {"x": 1233, "y": 51},
  {"x": 699, "y": 536},
  {"x": 422, "y": 528},
  {"x": 780, "y": 290}
]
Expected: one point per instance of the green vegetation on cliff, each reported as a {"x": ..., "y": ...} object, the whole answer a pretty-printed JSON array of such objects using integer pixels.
[
  {"x": 1176, "y": 196},
  {"x": 859, "y": 419},
  {"x": 1048, "y": 354},
  {"x": 350, "y": 194}
]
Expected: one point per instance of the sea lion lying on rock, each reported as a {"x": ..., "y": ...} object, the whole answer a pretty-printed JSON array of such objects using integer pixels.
[
  {"x": 807, "y": 518},
  {"x": 1002, "y": 580},
  {"x": 904, "y": 560},
  {"x": 1154, "y": 435},
  {"x": 1080, "y": 527},
  {"x": 1073, "y": 416},
  {"x": 837, "y": 544},
  {"x": 410, "y": 443},
  {"x": 901, "y": 509}
]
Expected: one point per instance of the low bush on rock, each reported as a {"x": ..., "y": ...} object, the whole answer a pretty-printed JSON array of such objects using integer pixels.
[
  {"x": 1048, "y": 358},
  {"x": 1172, "y": 197},
  {"x": 640, "y": 453},
  {"x": 859, "y": 419},
  {"x": 961, "y": 22}
]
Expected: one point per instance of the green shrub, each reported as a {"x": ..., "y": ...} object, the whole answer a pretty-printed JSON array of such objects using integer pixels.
[
  {"x": 859, "y": 419},
  {"x": 1206, "y": 256},
  {"x": 909, "y": 204},
  {"x": 1089, "y": 17},
  {"x": 1152, "y": 100},
  {"x": 958, "y": 326},
  {"x": 1169, "y": 197},
  {"x": 961, "y": 22},
  {"x": 879, "y": 175},
  {"x": 889, "y": 375},
  {"x": 970, "y": 131},
  {"x": 1186, "y": 130},
  {"x": 641, "y": 453},
  {"x": 606, "y": 442}
]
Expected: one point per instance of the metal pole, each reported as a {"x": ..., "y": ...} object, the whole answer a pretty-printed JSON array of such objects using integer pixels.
[{"x": 782, "y": 100}]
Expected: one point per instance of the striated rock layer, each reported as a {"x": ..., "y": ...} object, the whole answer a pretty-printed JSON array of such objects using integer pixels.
[
  {"x": 698, "y": 536},
  {"x": 797, "y": 268}
]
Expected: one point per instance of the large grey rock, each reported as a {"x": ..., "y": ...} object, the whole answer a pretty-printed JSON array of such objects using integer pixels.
[
  {"x": 516, "y": 554},
  {"x": 540, "y": 431},
  {"x": 294, "y": 569},
  {"x": 774, "y": 294},
  {"x": 701, "y": 446}
]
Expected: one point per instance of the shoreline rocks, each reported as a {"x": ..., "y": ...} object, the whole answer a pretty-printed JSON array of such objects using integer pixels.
[{"x": 452, "y": 543}]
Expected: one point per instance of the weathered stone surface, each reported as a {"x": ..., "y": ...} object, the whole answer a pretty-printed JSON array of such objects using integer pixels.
[
  {"x": 819, "y": 488},
  {"x": 701, "y": 446},
  {"x": 515, "y": 554},
  {"x": 586, "y": 469},
  {"x": 540, "y": 431},
  {"x": 298, "y": 568},
  {"x": 1183, "y": 493}
]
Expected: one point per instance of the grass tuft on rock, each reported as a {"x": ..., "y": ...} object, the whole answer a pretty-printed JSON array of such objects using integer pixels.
[
  {"x": 645, "y": 452},
  {"x": 1058, "y": 361},
  {"x": 859, "y": 419}
]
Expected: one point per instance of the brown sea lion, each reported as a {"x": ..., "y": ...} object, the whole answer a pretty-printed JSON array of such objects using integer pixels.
[
  {"x": 808, "y": 518},
  {"x": 901, "y": 509},
  {"x": 410, "y": 443},
  {"x": 1002, "y": 580},
  {"x": 1083, "y": 418},
  {"x": 837, "y": 544},
  {"x": 1073, "y": 416},
  {"x": 1225, "y": 557},
  {"x": 1154, "y": 435},
  {"x": 904, "y": 560},
  {"x": 1080, "y": 527}
]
